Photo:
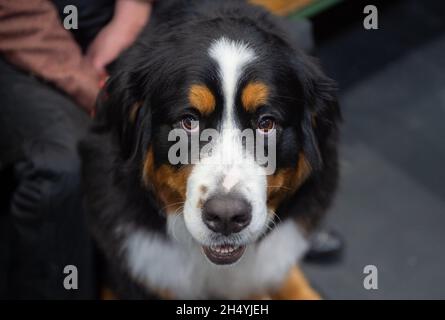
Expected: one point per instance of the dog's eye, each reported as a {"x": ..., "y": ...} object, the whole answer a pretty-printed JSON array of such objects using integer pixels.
[
  {"x": 266, "y": 124},
  {"x": 190, "y": 123}
]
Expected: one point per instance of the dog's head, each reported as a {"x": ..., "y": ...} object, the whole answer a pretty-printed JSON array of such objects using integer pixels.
[{"x": 221, "y": 127}]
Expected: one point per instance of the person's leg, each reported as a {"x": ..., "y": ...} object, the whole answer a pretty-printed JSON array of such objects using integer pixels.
[{"x": 39, "y": 131}]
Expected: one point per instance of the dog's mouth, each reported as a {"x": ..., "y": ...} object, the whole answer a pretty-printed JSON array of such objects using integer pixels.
[{"x": 224, "y": 254}]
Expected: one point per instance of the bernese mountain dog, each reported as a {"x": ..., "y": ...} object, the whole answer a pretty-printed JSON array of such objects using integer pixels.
[{"x": 220, "y": 225}]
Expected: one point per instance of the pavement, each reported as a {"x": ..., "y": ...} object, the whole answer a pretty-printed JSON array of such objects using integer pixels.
[{"x": 390, "y": 207}]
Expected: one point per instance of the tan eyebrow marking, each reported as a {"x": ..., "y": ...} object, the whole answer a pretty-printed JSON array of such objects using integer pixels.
[
  {"x": 202, "y": 98},
  {"x": 254, "y": 95}
]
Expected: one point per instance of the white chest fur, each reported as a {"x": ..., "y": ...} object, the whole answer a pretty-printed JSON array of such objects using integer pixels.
[{"x": 178, "y": 265}]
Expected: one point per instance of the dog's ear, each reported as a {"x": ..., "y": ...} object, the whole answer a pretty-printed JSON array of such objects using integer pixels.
[
  {"x": 321, "y": 111},
  {"x": 123, "y": 110}
]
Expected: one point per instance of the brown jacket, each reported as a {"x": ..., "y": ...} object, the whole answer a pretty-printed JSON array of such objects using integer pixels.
[{"x": 33, "y": 38}]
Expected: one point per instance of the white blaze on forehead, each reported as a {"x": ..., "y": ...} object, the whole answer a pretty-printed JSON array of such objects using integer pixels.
[
  {"x": 231, "y": 179},
  {"x": 227, "y": 166},
  {"x": 232, "y": 57}
]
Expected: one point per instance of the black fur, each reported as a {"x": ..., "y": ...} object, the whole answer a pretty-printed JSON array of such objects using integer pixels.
[{"x": 170, "y": 55}]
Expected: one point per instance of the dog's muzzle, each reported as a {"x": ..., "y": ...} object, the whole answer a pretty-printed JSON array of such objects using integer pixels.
[{"x": 226, "y": 215}]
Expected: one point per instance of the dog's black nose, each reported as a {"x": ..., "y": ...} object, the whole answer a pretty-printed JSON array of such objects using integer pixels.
[{"x": 227, "y": 214}]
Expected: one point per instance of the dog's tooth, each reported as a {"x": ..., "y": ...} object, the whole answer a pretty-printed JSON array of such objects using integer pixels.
[{"x": 224, "y": 249}]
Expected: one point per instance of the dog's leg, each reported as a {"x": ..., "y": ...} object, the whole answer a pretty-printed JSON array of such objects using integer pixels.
[{"x": 296, "y": 287}]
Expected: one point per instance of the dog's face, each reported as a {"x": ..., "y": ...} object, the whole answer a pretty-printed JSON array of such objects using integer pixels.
[{"x": 243, "y": 116}]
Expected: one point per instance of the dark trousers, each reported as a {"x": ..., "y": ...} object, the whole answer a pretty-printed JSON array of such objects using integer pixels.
[{"x": 42, "y": 226}]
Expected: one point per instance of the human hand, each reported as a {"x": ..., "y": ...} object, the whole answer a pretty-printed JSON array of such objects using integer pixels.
[{"x": 129, "y": 19}]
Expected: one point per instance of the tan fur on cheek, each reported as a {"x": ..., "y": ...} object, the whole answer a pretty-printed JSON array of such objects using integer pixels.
[
  {"x": 254, "y": 95},
  {"x": 168, "y": 183},
  {"x": 286, "y": 181}
]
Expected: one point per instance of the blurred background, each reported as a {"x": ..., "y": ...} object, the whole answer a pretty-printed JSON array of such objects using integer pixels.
[{"x": 390, "y": 208}]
